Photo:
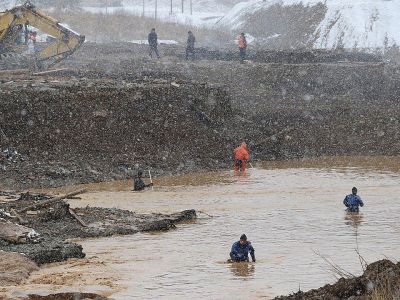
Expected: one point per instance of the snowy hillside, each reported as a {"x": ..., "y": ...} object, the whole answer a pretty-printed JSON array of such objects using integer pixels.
[{"x": 320, "y": 23}]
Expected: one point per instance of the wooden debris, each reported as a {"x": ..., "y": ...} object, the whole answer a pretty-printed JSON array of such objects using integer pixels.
[
  {"x": 51, "y": 201},
  {"x": 80, "y": 221}
]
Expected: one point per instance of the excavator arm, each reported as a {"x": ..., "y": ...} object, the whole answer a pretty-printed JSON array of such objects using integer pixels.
[{"x": 64, "y": 42}]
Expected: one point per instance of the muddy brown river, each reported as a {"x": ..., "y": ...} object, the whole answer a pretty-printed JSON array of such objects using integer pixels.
[{"x": 292, "y": 212}]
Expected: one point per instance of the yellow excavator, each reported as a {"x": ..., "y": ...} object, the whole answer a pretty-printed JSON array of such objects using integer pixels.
[{"x": 15, "y": 27}]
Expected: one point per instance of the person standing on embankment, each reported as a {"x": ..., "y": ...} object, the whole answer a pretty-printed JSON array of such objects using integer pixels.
[
  {"x": 241, "y": 156},
  {"x": 153, "y": 43},
  {"x": 190, "y": 45},
  {"x": 242, "y": 42}
]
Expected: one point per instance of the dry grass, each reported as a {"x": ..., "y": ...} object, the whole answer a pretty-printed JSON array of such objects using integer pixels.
[
  {"x": 121, "y": 26},
  {"x": 385, "y": 291}
]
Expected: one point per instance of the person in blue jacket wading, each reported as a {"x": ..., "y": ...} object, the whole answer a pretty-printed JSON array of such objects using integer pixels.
[
  {"x": 353, "y": 201},
  {"x": 240, "y": 250}
]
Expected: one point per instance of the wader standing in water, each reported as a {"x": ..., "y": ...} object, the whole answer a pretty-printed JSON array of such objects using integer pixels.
[
  {"x": 241, "y": 249},
  {"x": 138, "y": 183},
  {"x": 353, "y": 201}
]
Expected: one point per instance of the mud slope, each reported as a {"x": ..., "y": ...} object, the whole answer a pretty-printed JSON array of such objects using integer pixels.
[
  {"x": 80, "y": 131},
  {"x": 117, "y": 111}
]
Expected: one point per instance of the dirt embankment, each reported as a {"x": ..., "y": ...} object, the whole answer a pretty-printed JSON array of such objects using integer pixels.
[
  {"x": 81, "y": 130},
  {"x": 381, "y": 280},
  {"x": 287, "y": 104},
  {"x": 118, "y": 111}
]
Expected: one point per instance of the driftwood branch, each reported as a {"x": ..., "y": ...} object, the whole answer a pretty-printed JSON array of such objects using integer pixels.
[
  {"x": 53, "y": 200},
  {"x": 80, "y": 221}
]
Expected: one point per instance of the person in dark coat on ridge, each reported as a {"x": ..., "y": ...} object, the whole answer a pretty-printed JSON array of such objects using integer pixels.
[
  {"x": 153, "y": 43},
  {"x": 190, "y": 45}
]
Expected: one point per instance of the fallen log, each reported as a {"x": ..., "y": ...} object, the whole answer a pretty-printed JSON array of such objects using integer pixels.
[
  {"x": 53, "y": 200},
  {"x": 14, "y": 233},
  {"x": 80, "y": 221}
]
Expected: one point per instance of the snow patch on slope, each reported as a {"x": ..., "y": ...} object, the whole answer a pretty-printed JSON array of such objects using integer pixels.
[{"x": 359, "y": 24}]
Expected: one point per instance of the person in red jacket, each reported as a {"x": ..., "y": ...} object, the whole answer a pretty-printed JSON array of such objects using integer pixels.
[
  {"x": 241, "y": 156},
  {"x": 242, "y": 43}
]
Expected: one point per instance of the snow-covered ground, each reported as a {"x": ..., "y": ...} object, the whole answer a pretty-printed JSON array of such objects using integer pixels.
[{"x": 348, "y": 23}]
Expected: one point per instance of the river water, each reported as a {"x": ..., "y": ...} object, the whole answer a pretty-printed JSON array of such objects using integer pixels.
[{"x": 292, "y": 212}]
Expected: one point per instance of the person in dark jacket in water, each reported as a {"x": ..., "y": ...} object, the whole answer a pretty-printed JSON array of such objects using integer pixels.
[
  {"x": 240, "y": 250},
  {"x": 153, "y": 43},
  {"x": 138, "y": 183},
  {"x": 353, "y": 201},
  {"x": 190, "y": 45}
]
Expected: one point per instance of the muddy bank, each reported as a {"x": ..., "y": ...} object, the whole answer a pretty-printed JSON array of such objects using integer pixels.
[
  {"x": 56, "y": 223},
  {"x": 302, "y": 104},
  {"x": 381, "y": 280},
  {"x": 286, "y": 104},
  {"x": 117, "y": 111},
  {"x": 78, "y": 131}
]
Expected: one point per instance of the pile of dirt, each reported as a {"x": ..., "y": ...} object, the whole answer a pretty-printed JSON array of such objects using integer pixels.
[
  {"x": 381, "y": 280},
  {"x": 56, "y": 222},
  {"x": 14, "y": 268}
]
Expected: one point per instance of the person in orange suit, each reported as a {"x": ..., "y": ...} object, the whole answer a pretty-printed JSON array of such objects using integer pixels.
[{"x": 241, "y": 156}]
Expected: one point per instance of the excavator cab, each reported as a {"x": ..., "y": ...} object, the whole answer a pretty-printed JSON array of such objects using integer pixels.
[{"x": 19, "y": 45}]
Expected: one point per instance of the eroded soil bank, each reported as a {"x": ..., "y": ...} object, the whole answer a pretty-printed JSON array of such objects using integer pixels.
[{"x": 116, "y": 111}]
